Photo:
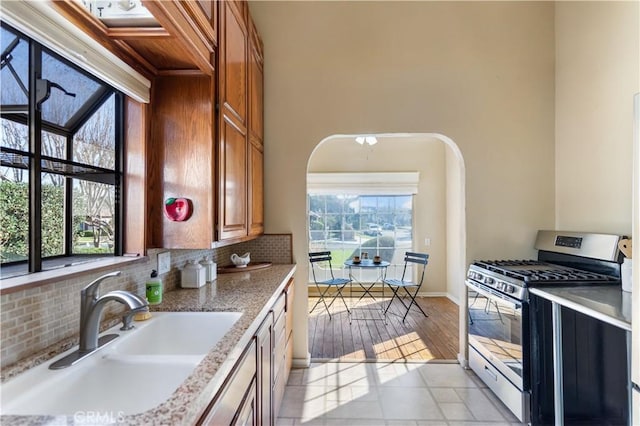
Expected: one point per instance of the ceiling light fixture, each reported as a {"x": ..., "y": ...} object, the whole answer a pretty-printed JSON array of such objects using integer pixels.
[
  {"x": 121, "y": 13},
  {"x": 370, "y": 140}
]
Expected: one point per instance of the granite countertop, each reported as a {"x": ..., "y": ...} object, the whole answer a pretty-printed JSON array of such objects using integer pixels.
[
  {"x": 606, "y": 303},
  {"x": 253, "y": 293}
]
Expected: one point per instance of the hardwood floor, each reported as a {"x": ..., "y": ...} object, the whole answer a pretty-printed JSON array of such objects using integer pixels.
[{"x": 368, "y": 338}]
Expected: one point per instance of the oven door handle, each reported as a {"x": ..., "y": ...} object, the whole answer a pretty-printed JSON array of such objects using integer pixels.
[{"x": 489, "y": 294}]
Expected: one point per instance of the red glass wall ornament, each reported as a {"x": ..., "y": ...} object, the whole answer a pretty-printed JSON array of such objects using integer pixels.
[{"x": 178, "y": 209}]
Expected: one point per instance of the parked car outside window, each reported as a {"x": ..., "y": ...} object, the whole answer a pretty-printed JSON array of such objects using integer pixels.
[
  {"x": 388, "y": 227},
  {"x": 373, "y": 229}
]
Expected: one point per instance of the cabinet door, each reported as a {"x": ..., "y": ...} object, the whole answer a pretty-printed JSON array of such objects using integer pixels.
[
  {"x": 256, "y": 84},
  {"x": 265, "y": 359},
  {"x": 181, "y": 160},
  {"x": 256, "y": 134},
  {"x": 233, "y": 114},
  {"x": 210, "y": 9},
  {"x": 279, "y": 349},
  {"x": 232, "y": 197},
  {"x": 237, "y": 400},
  {"x": 247, "y": 414},
  {"x": 256, "y": 189},
  {"x": 289, "y": 328},
  {"x": 233, "y": 60}
]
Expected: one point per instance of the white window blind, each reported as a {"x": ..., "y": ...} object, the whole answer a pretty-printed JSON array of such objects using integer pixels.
[
  {"x": 38, "y": 20},
  {"x": 382, "y": 183}
]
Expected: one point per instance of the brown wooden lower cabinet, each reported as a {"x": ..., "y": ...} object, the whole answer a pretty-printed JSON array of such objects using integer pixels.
[
  {"x": 283, "y": 347},
  {"x": 279, "y": 374},
  {"x": 253, "y": 393},
  {"x": 265, "y": 366},
  {"x": 288, "y": 353}
]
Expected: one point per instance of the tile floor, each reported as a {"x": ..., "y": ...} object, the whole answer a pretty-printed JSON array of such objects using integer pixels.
[{"x": 387, "y": 393}]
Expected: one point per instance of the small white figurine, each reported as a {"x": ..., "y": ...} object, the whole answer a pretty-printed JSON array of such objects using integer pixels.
[{"x": 240, "y": 261}]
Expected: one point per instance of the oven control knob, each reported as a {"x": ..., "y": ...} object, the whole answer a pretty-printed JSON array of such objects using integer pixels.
[
  {"x": 489, "y": 280},
  {"x": 510, "y": 289}
]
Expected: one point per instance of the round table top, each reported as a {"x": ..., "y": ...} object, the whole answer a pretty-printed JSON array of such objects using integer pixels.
[{"x": 368, "y": 263}]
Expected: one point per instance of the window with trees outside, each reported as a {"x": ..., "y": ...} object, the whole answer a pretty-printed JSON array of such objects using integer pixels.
[
  {"x": 348, "y": 225},
  {"x": 61, "y": 168}
]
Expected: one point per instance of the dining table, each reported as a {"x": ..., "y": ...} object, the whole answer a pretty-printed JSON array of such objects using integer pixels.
[{"x": 366, "y": 285}]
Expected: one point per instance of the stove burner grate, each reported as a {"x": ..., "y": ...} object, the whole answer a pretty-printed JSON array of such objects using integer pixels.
[{"x": 533, "y": 271}]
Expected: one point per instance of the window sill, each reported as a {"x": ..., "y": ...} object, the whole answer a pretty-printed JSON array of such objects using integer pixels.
[{"x": 24, "y": 282}]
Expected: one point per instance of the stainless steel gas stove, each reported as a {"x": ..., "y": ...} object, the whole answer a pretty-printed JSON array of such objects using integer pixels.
[
  {"x": 499, "y": 333},
  {"x": 512, "y": 277}
]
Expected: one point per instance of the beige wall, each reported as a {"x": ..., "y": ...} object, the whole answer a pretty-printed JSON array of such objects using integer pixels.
[
  {"x": 597, "y": 73},
  {"x": 455, "y": 233},
  {"x": 481, "y": 73},
  {"x": 424, "y": 155}
]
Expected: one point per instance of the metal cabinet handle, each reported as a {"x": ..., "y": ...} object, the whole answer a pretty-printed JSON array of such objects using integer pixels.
[{"x": 493, "y": 375}]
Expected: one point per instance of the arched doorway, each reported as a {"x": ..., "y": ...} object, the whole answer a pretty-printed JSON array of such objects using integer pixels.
[{"x": 453, "y": 246}]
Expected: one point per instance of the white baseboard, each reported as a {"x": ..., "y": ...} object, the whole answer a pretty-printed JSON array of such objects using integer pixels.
[
  {"x": 302, "y": 362},
  {"x": 463, "y": 361},
  {"x": 455, "y": 300},
  {"x": 440, "y": 294},
  {"x": 432, "y": 294}
]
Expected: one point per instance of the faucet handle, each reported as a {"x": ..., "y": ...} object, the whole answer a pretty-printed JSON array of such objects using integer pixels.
[
  {"x": 126, "y": 321},
  {"x": 128, "y": 317}
]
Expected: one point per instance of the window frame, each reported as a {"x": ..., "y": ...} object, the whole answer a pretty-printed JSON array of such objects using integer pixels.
[
  {"x": 394, "y": 270},
  {"x": 69, "y": 169}
]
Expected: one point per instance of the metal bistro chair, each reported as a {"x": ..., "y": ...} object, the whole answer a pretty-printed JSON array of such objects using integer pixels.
[
  {"x": 396, "y": 285},
  {"x": 333, "y": 282}
]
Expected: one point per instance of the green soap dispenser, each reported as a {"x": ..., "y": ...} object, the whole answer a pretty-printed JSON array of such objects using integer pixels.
[{"x": 154, "y": 289}]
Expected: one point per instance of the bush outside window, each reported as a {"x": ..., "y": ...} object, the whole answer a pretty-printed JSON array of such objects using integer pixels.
[{"x": 61, "y": 152}]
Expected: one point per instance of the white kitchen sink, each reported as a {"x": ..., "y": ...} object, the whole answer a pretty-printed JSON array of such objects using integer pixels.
[
  {"x": 178, "y": 333},
  {"x": 136, "y": 372}
]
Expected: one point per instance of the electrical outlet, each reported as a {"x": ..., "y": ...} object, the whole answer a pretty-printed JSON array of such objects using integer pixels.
[
  {"x": 427, "y": 242},
  {"x": 164, "y": 262}
]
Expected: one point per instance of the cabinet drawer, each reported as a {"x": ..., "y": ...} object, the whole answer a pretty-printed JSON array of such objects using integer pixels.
[
  {"x": 289, "y": 308},
  {"x": 279, "y": 306},
  {"x": 279, "y": 326}
]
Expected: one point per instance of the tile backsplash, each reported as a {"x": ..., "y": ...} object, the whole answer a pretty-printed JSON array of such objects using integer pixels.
[{"x": 36, "y": 318}]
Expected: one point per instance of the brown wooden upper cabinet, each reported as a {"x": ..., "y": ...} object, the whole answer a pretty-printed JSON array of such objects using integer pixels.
[
  {"x": 181, "y": 160},
  {"x": 205, "y": 127},
  {"x": 207, "y": 141},
  {"x": 183, "y": 36},
  {"x": 240, "y": 123},
  {"x": 232, "y": 121},
  {"x": 256, "y": 133}
]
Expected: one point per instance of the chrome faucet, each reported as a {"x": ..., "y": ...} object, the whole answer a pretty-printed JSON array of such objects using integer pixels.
[{"x": 91, "y": 307}]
